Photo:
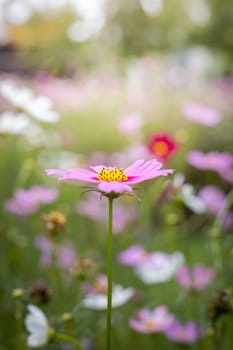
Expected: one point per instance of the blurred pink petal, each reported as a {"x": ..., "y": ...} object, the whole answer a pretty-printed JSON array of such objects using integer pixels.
[
  {"x": 201, "y": 114},
  {"x": 184, "y": 334},
  {"x": 196, "y": 278}
]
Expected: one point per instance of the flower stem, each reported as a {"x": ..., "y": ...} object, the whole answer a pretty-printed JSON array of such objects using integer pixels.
[
  {"x": 69, "y": 339},
  {"x": 109, "y": 274}
]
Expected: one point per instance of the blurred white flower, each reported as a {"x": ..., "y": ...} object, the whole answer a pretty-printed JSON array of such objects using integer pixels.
[
  {"x": 18, "y": 12},
  {"x": 20, "y": 124},
  {"x": 152, "y": 7},
  {"x": 91, "y": 14},
  {"x": 17, "y": 96},
  {"x": 80, "y": 31},
  {"x": 192, "y": 201},
  {"x": 37, "y": 325},
  {"x": 178, "y": 181},
  {"x": 11, "y": 123},
  {"x": 199, "y": 12},
  {"x": 39, "y": 107},
  {"x": 159, "y": 267},
  {"x": 199, "y": 60},
  {"x": 99, "y": 301}
]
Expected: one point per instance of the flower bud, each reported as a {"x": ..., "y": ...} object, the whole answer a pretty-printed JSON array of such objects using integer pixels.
[
  {"x": 40, "y": 292},
  {"x": 54, "y": 222},
  {"x": 18, "y": 293}
]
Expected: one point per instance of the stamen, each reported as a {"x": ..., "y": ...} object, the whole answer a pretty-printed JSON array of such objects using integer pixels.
[{"x": 112, "y": 175}]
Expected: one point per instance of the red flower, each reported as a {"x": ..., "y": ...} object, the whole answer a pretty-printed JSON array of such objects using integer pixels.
[{"x": 162, "y": 146}]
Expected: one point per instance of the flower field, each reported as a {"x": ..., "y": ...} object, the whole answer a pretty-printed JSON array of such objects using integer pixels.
[{"x": 116, "y": 215}]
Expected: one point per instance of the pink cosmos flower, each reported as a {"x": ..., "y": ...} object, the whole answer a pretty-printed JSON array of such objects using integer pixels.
[
  {"x": 157, "y": 320},
  {"x": 213, "y": 198},
  {"x": 184, "y": 334},
  {"x": 201, "y": 114},
  {"x": 114, "y": 180},
  {"x": 27, "y": 201},
  {"x": 222, "y": 163},
  {"x": 196, "y": 278}
]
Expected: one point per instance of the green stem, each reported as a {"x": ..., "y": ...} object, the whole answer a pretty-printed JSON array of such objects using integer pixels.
[
  {"x": 109, "y": 274},
  {"x": 69, "y": 339}
]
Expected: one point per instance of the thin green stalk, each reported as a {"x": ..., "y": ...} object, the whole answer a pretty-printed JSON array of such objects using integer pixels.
[
  {"x": 109, "y": 274},
  {"x": 69, "y": 339}
]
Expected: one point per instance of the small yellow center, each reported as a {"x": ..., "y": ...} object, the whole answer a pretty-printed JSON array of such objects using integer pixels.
[
  {"x": 112, "y": 175},
  {"x": 160, "y": 148},
  {"x": 150, "y": 324}
]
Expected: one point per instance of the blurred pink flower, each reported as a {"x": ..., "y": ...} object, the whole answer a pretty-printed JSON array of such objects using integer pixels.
[
  {"x": 96, "y": 210},
  {"x": 157, "y": 320},
  {"x": 201, "y": 114},
  {"x": 196, "y": 278},
  {"x": 27, "y": 201},
  {"x": 132, "y": 256},
  {"x": 162, "y": 146},
  {"x": 213, "y": 198},
  {"x": 130, "y": 124},
  {"x": 184, "y": 334},
  {"x": 113, "y": 180},
  {"x": 76, "y": 94},
  {"x": 65, "y": 254},
  {"x": 222, "y": 163}
]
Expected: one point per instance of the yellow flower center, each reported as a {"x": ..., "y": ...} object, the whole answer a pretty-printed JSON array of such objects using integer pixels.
[
  {"x": 160, "y": 148},
  {"x": 150, "y": 324},
  {"x": 112, "y": 175}
]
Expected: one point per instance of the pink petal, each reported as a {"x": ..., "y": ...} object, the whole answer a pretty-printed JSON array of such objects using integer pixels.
[
  {"x": 151, "y": 175},
  {"x": 114, "y": 186},
  {"x": 75, "y": 174},
  {"x": 140, "y": 167},
  {"x": 130, "y": 171}
]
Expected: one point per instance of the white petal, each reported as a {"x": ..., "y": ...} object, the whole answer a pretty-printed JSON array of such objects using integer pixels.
[
  {"x": 35, "y": 340},
  {"x": 121, "y": 296},
  {"x": 37, "y": 314},
  {"x": 99, "y": 301},
  {"x": 36, "y": 322},
  {"x": 95, "y": 302}
]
